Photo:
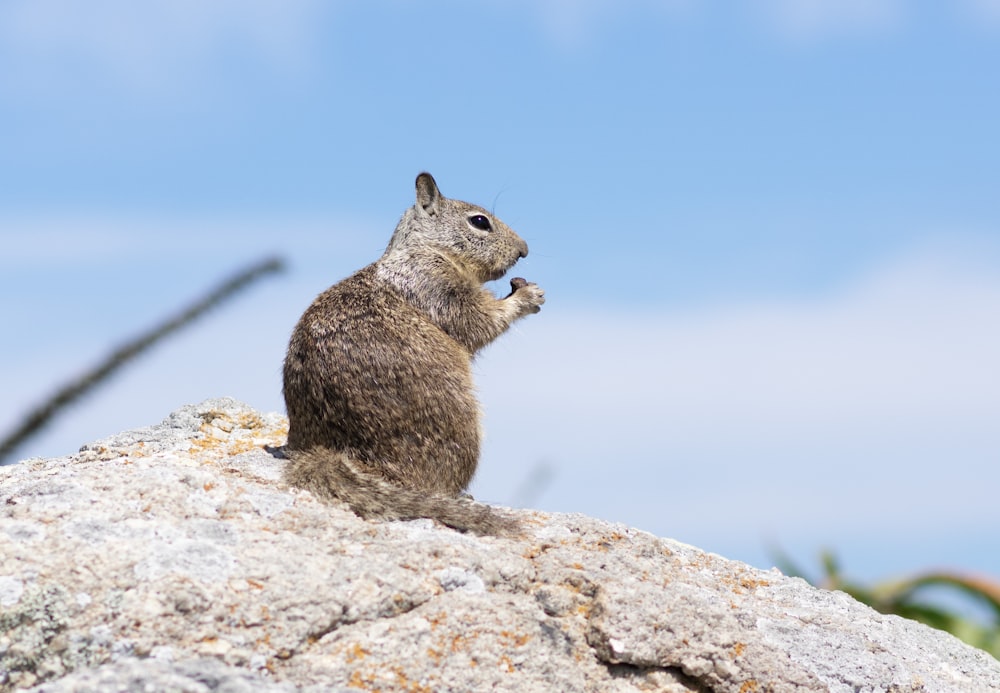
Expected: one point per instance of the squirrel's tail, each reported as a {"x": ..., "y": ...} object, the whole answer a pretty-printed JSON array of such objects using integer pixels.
[{"x": 332, "y": 474}]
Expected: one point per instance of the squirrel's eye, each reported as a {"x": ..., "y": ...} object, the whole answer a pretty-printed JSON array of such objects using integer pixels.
[{"x": 480, "y": 222}]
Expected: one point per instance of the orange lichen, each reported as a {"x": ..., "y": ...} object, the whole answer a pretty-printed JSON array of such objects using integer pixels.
[
  {"x": 515, "y": 639},
  {"x": 753, "y": 583},
  {"x": 461, "y": 642},
  {"x": 355, "y": 653},
  {"x": 743, "y": 582},
  {"x": 357, "y": 681}
]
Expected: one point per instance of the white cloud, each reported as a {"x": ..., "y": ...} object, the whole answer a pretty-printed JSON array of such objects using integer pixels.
[
  {"x": 811, "y": 20},
  {"x": 988, "y": 10},
  {"x": 46, "y": 244},
  {"x": 571, "y": 23},
  {"x": 150, "y": 44},
  {"x": 910, "y": 338},
  {"x": 862, "y": 409}
]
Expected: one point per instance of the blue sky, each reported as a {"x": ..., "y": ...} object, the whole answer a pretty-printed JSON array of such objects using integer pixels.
[{"x": 769, "y": 234}]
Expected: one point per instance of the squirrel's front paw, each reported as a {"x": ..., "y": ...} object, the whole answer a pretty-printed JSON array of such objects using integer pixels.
[{"x": 528, "y": 294}]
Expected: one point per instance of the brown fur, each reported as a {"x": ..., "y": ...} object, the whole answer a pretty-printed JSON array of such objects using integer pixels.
[{"x": 377, "y": 380}]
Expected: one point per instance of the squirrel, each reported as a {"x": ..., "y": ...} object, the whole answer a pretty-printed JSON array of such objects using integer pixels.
[{"x": 378, "y": 380}]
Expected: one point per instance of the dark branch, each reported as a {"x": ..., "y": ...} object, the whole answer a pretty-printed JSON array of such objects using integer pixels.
[{"x": 40, "y": 416}]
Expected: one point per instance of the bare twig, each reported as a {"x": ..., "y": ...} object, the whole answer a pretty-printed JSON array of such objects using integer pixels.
[
  {"x": 36, "y": 419},
  {"x": 534, "y": 484}
]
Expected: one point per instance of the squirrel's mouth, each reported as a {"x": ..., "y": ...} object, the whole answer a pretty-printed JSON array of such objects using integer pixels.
[{"x": 497, "y": 272}]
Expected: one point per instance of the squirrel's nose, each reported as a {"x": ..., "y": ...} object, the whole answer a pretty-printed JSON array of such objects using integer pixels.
[{"x": 524, "y": 249}]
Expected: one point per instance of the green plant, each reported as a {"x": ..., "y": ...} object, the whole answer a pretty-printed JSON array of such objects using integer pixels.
[{"x": 914, "y": 598}]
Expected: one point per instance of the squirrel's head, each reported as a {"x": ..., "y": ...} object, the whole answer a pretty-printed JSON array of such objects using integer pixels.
[{"x": 467, "y": 234}]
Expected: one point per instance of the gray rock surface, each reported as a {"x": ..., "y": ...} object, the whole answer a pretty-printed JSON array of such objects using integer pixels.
[{"x": 172, "y": 558}]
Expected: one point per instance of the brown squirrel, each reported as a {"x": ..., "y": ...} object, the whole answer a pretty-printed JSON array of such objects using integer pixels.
[{"x": 377, "y": 379}]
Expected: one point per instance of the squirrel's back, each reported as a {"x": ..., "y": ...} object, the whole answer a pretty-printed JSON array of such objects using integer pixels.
[{"x": 371, "y": 376}]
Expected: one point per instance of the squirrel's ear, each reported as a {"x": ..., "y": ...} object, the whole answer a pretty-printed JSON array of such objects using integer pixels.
[{"x": 427, "y": 193}]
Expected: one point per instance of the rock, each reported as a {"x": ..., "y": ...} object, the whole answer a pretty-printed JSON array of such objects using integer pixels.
[
  {"x": 188, "y": 676},
  {"x": 172, "y": 558}
]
